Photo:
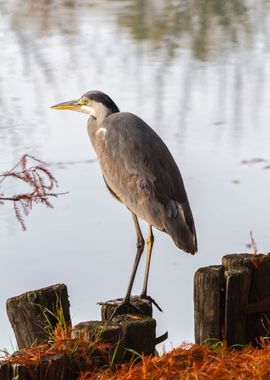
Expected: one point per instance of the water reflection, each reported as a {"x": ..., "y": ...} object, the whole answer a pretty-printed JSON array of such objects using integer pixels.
[
  {"x": 197, "y": 72},
  {"x": 209, "y": 27},
  {"x": 186, "y": 37}
]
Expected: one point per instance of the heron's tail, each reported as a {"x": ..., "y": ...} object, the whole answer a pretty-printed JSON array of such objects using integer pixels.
[{"x": 179, "y": 224}]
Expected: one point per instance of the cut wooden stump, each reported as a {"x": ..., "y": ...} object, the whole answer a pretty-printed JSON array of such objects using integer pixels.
[
  {"x": 33, "y": 314},
  {"x": 138, "y": 306},
  {"x": 55, "y": 367},
  {"x": 233, "y": 303},
  {"x": 5, "y": 371},
  {"x": 127, "y": 334},
  {"x": 258, "y": 322},
  {"x": 208, "y": 290},
  {"x": 19, "y": 371},
  {"x": 15, "y": 371},
  {"x": 236, "y": 302},
  {"x": 106, "y": 332}
]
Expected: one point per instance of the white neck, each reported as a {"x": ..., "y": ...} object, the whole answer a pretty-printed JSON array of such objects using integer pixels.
[{"x": 100, "y": 112}]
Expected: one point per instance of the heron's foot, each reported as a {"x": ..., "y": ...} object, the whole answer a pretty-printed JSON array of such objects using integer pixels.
[
  {"x": 124, "y": 307},
  {"x": 149, "y": 298}
]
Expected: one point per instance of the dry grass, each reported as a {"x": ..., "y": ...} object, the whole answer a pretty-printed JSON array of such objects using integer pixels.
[
  {"x": 82, "y": 353},
  {"x": 191, "y": 361},
  {"x": 92, "y": 359}
]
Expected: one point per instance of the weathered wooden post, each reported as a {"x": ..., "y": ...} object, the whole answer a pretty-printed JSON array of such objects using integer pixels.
[
  {"x": 33, "y": 315},
  {"x": 208, "y": 289},
  {"x": 136, "y": 334},
  {"x": 126, "y": 334},
  {"x": 236, "y": 302},
  {"x": 138, "y": 306},
  {"x": 5, "y": 371},
  {"x": 258, "y": 308},
  {"x": 56, "y": 367},
  {"x": 232, "y": 301}
]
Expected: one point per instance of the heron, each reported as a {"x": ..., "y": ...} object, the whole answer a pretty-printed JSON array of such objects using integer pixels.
[{"x": 139, "y": 171}]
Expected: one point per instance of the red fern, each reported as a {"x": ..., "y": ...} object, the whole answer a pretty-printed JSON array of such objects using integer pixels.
[{"x": 42, "y": 186}]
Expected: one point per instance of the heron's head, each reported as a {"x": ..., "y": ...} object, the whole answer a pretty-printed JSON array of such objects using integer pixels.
[{"x": 95, "y": 103}]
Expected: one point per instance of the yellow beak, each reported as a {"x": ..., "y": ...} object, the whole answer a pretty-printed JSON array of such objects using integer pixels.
[{"x": 73, "y": 105}]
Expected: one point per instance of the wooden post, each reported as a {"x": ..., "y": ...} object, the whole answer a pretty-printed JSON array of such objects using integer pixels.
[
  {"x": 208, "y": 290},
  {"x": 34, "y": 315},
  {"x": 5, "y": 371},
  {"x": 19, "y": 371},
  {"x": 31, "y": 317},
  {"x": 138, "y": 306},
  {"x": 54, "y": 367},
  {"x": 237, "y": 292},
  {"x": 125, "y": 333},
  {"x": 232, "y": 301},
  {"x": 107, "y": 332},
  {"x": 258, "y": 315}
]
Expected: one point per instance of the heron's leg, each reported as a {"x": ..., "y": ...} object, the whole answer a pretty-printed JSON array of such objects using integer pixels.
[
  {"x": 125, "y": 306},
  {"x": 140, "y": 248},
  {"x": 149, "y": 242}
]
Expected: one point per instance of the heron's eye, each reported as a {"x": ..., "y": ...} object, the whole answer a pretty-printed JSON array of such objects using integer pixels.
[{"x": 83, "y": 101}]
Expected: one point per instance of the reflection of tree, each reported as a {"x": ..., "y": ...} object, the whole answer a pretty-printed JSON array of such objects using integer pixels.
[
  {"x": 30, "y": 25},
  {"x": 47, "y": 16},
  {"x": 31, "y": 20},
  {"x": 53, "y": 38},
  {"x": 208, "y": 25}
]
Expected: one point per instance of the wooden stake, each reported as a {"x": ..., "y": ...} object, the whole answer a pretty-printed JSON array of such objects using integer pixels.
[
  {"x": 237, "y": 293},
  {"x": 33, "y": 314},
  {"x": 126, "y": 333},
  {"x": 208, "y": 291},
  {"x": 258, "y": 322},
  {"x": 138, "y": 306}
]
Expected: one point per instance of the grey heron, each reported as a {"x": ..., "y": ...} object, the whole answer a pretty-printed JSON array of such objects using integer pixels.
[{"x": 140, "y": 172}]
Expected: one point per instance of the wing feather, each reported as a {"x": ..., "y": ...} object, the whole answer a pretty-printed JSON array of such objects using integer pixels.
[{"x": 139, "y": 169}]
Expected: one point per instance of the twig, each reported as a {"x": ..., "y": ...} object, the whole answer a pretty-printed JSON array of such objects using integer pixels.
[
  {"x": 41, "y": 181},
  {"x": 253, "y": 244}
]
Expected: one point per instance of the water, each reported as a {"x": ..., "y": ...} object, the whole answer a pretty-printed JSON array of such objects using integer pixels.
[{"x": 199, "y": 74}]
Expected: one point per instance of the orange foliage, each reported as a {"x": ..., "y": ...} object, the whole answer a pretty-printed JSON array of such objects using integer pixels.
[
  {"x": 188, "y": 361},
  {"x": 194, "y": 362},
  {"x": 82, "y": 353}
]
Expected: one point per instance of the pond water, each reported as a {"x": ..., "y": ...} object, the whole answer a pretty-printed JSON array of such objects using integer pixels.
[{"x": 199, "y": 74}]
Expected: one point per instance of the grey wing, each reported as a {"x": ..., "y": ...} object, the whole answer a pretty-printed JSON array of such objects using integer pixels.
[{"x": 140, "y": 171}]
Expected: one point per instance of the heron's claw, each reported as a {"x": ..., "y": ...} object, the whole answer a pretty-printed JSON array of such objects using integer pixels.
[
  {"x": 145, "y": 297},
  {"x": 125, "y": 307}
]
